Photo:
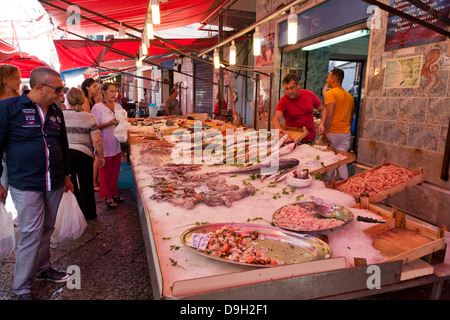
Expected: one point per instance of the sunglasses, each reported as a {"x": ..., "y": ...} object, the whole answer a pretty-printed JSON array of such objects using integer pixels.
[{"x": 57, "y": 89}]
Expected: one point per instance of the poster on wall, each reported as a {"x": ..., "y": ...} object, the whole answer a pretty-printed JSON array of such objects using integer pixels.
[
  {"x": 402, "y": 33},
  {"x": 403, "y": 73}
]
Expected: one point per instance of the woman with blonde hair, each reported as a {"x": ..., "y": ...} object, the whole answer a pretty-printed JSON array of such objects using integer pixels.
[
  {"x": 83, "y": 135},
  {"x": 10, "y": 80},
  {"x": 104, "y": 113}
]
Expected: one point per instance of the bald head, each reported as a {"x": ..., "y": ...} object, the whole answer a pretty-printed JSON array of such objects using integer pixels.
[
  {"x": 41, "y": 74},
  {"x": 46, "y": 86}
]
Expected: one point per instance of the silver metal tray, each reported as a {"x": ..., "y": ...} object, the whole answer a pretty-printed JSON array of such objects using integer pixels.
[
  {"x": 344, "y": 213},
  {"x": 289, "y": 247}
]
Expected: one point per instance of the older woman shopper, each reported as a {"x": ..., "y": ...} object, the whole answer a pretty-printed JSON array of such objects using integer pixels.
[
  {"x": 83, "y": 135},
  {"x": 10, "y": 80},
  {"x": 104, "y": 113}
]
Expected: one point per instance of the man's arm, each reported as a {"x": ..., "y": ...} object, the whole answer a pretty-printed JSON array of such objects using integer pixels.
[
  {"x": 330, "y": 112},
  {"x": 65, "y": 151},
  {"x": 323, "y": 118},
  {"x": 277, "y": 121}
]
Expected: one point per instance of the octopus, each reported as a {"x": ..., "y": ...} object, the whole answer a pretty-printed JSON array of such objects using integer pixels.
[
  {"x": 430, "y": 69},
  {"x": 188, "y": 190}
]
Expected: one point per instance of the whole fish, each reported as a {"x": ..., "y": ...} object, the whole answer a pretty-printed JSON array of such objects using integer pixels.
[{"x": 282, "y": 164}]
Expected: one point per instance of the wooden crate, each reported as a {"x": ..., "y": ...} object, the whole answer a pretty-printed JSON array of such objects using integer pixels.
[
  {"x": 400, "y": 238},
  {"x": 418, "y": 178},
  {"x": 349, "y": 158}
]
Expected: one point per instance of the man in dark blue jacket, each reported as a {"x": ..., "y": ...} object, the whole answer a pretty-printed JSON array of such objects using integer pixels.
[{"x": 33, "y": 134}]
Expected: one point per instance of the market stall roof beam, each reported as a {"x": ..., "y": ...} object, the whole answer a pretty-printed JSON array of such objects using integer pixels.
[
  {"x": 127, "y": 25},
  {"x": 256, "y": 24},
  {"x": 133, "y": 57},
  {"x": 137, "y": 37}
]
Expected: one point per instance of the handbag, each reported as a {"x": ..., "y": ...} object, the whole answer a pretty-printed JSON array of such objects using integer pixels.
[
  {"x": 7, "y": 233},
  {"x": 70, "y": 222}
]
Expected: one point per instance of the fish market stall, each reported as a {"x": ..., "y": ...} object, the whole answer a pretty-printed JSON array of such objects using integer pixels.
[{"x": 185, "y": 206}]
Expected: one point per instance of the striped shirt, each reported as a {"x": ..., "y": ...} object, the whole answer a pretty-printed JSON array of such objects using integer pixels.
[{"x": 80, "y": 126}]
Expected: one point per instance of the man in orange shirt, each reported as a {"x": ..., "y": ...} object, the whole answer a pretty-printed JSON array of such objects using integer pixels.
[{"x": 339, "y": 105}]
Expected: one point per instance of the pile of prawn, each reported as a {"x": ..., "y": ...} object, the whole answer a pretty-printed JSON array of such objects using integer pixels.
[
  {"x": 295, "y": 217},
  {"x": 373, "y": 182}
]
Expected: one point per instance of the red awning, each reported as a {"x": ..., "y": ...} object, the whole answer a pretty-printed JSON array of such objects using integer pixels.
[
  {"x": 26, "y": 63},
  {"x": 174, "y": 14},
  {"x": 120, "y": 53},
  {"x": 6, "y": 50}
]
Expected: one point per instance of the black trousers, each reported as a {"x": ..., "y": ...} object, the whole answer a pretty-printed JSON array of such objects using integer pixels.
[{"x": 82, "y": 172}]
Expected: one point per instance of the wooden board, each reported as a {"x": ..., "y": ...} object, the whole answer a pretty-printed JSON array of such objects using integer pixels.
[
  {"x": 403, "y": 239},
  {"x": 296, "y": 134},
  {"x": 415, "y": 269},
  {"x": 398, "y": 241},
  {"x": 349, "y": 158},
  {"x": 418, "y": 178}
]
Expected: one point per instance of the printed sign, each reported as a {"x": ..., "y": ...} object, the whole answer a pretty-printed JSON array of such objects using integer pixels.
[
  {"x": 403, "y": 73},
  {"x": 402, "y": 33}
]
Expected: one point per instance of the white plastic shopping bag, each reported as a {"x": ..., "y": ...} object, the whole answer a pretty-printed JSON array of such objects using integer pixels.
[
  {"x": 121, "y": 130},
  {"x": 7, "y": 233},
  {"x": 70, "y": 222},
  {"x": 120, "y": 114}
]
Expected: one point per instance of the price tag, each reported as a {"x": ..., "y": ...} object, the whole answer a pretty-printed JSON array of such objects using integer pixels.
[{"x": 198, "y": 241}]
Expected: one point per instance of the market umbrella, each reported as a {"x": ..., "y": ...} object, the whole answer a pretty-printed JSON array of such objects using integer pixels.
[{"x": 26, "y": 62}]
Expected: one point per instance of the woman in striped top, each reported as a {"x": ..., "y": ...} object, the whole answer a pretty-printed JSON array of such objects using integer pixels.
[{"x": 83, "y": 135}]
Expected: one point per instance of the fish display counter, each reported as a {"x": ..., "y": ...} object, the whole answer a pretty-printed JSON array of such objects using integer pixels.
[{"x": 224, "y": 230}]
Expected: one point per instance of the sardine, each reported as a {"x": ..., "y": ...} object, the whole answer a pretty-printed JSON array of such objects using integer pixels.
[{"x": 282, "y": 164}]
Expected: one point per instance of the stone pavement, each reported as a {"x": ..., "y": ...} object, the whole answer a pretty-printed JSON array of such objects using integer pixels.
[{"x": 110, "y": 254}]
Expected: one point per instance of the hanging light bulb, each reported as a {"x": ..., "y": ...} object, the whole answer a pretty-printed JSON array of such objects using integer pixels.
[
  {"x": 149, "y": 26},
  {"x": 257, "y": 42},
  {"x": 292, "y": 27},
  {"x": 146, "y": 40},
  {"x": 216, "y": 59},
  {"x": 232, "y": 53},
  {"x": 143, "y": 48},
  {"x": 155, "y": 12}
]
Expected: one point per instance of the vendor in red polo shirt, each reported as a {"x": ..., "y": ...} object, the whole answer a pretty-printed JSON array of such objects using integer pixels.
[{"x": 296, "y": 107}]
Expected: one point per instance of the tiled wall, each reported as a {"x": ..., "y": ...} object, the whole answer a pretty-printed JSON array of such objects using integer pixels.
[
  {"x": 409, "y": 126},
  {"x": 413, "y": 117}
]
